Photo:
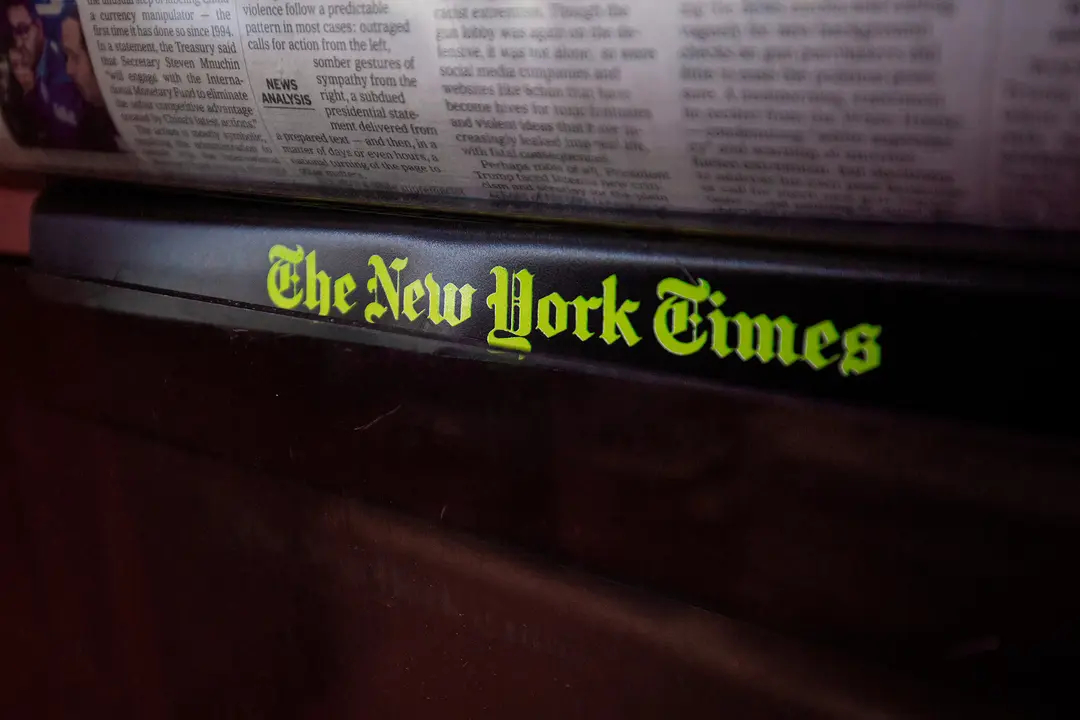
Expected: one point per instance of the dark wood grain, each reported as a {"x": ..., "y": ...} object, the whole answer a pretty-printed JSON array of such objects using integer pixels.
[{"x": 172, "y": 478}]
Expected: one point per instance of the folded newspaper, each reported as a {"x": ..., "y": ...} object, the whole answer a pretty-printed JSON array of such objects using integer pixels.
[{"x": 902, "y": 110}]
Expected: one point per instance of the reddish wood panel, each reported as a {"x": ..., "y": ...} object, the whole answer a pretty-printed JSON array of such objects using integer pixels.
[
  {"x": 17, "y": 194},
  {"x": 192, "y": 533}
]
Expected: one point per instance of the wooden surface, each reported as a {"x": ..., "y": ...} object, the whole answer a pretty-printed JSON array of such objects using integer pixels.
[
  {"x": 179, "y": 501},
  {"x": 17, "y": 196}
]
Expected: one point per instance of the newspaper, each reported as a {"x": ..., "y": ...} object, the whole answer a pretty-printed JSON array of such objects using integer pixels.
[{"x": 905, "y": 110}]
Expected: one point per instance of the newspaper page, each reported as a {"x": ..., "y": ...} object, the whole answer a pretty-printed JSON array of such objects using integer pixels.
[{"x": 903, "y": 110}]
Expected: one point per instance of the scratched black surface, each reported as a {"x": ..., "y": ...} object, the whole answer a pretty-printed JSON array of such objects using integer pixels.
[{"x": 970, "y": 341}]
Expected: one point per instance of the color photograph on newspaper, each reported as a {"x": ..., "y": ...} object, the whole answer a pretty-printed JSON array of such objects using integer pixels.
[{"x": 49, "y": 95}]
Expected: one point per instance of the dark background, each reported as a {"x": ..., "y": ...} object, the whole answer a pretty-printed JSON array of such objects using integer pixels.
[{"x": 205, "y": 522}]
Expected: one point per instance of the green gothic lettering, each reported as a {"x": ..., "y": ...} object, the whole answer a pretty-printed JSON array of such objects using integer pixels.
[
  {"x": 582, "y": 306},
  {"x": 316, "y": 286},
  {"x": 413, "y": 293},
  {"x": 282, "y": 282},
  {"x": 317, "y": 292},
  {"x": 690, "y": 315},
  {"x": 757, "y": 338},
  {"x": 862, "y": 353},
  {"x": 551, "y": 315},
  {"x": 512, "y": 303},
  {"x": 817, "y": 338},
  {"x": 677, "y": 321},
  {"x": 451, "y": 312},
  {"x": 448, "y": 304},
  {"x": 617, "y": 321},
  {"x": 343, "y": 288},
  {"x": 680, "y": 329},
  {"x": 390, "y": 286},
  {"x": 295, "y": 278}
]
